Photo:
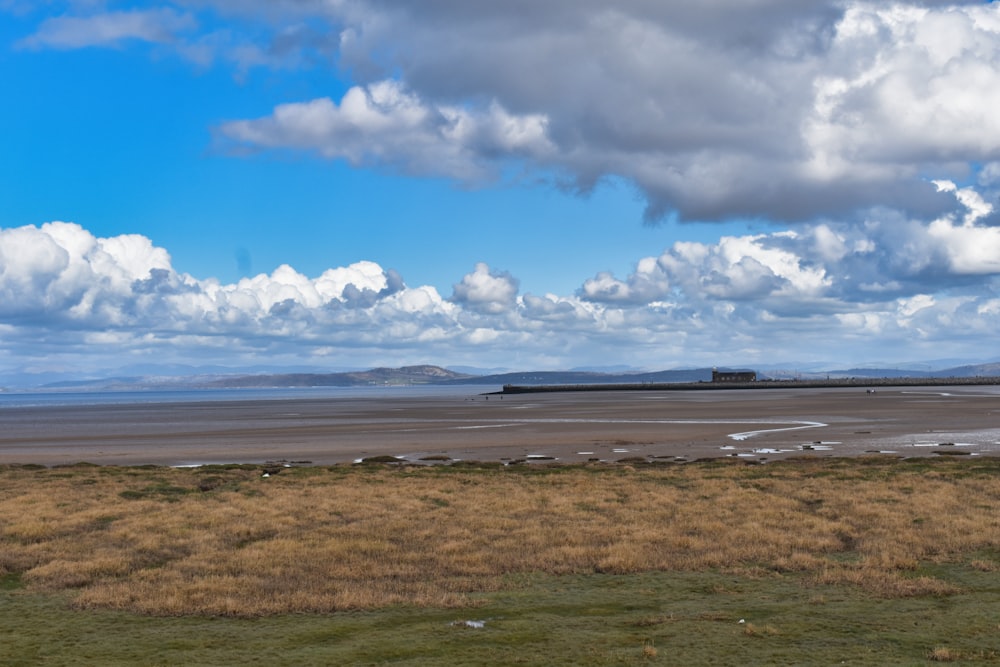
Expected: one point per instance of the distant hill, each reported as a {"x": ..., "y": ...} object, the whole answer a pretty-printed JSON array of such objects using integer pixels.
[
  {"x": 976, "y": 370},
  {"x": 411, "y": 375},
  {"x": 588, "y": 377},
  {"x": 969, "y": 371},
  {"x": 435, "y": 375},
  {"x": 407, "y": 375}
]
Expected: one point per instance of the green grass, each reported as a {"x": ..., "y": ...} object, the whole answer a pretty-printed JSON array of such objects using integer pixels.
[{"x": 686, "y": 618}]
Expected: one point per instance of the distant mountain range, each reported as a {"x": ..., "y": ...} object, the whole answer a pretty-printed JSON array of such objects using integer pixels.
[
  {"x": 407, "y": 375},
  {"x": 967, "y": 371},
  {"x": 436, "y": 375}
]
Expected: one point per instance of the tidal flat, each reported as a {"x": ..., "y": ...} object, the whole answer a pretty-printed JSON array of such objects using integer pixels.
[{"x": 570, "y": 427}]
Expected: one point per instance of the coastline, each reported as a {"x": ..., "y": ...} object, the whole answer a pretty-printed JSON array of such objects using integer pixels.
[{"x": 829, "y": 383}]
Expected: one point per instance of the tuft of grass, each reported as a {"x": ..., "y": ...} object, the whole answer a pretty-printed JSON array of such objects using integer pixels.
[
  {"x": 10, "y": 581},
  {"x": 383, "y": 458},
  {"x": 753, "y": 630},
  {"x": 944, "y": 654}
]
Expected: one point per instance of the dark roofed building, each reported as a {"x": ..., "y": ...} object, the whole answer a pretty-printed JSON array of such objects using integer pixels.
[{"x": 733, "y": 376}]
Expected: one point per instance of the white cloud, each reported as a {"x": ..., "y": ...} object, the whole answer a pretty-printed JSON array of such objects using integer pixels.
[
  {"x": 648, "y": 283},
  {"x": 973, "y": 201},
  {"x": 775, "y": 109},
  {"x": 969, "y": 250},
  {"x": 383, "y": 123},
  {"x": 914, "y": 304},
  {"x": 68, "y": 295},
  {"x": 486, "y": 291},
  {"x": 745, "y": 268},
  {"x": 910, "y": 87},
  {"x": 109, "y": 29}
]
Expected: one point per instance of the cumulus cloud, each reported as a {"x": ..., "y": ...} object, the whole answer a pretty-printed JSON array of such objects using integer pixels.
[
  {"x": 62, "y": 271},
  {"x": 745, "y": 268},
  {"x": 383, "y": 123},
  {"x": 910, "y": 288},
  {"x": 59, "y": 274},
  {"x": 773, "y": 109},
  {"x": 868, "y": 274},
  {"x": 486, "y": 291}
]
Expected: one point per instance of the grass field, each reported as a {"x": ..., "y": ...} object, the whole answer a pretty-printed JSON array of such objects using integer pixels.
[{"x": 820, "y": 561}]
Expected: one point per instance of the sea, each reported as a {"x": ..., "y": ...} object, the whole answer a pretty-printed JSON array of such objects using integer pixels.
[{"x": 20, "y": 399}]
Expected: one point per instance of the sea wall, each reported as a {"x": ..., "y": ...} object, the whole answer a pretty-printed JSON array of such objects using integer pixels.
[{"x": 867, "y": 383}]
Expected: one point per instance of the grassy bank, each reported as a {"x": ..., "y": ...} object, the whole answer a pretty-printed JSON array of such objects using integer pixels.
[{"x": 571, "y": 565}]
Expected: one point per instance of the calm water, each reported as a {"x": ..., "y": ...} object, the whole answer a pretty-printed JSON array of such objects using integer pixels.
[
  {"x": 41, "y": 399},
  {"x": 54, "y": 398}
]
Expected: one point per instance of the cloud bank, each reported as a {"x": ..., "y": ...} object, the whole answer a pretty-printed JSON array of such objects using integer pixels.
[
  {"x": 771, "y": 109},
  {"x": 903, "y": 287},
  {"x": 777, "y": 110}
]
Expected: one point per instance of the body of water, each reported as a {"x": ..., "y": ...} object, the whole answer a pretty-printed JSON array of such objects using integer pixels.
[{"x": 57, "y": 398}]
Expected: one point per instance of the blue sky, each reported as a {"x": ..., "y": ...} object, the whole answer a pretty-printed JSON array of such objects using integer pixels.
[{"x": 345, "y": 183}]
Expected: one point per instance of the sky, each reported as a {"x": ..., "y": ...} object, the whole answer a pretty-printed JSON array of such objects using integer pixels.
[{"x": 336, "y": 184}]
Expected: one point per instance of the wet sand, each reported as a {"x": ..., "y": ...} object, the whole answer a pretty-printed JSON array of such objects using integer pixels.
[{"x": 568, "y": 427}]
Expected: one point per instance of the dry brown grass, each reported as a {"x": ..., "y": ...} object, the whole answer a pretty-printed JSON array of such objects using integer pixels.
[
  {"x": 944, "y": 654},
  {"x": 751, "y": 630},
  {"x": 230, "y": 542}
]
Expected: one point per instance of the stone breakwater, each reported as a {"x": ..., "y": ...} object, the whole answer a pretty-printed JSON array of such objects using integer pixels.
[{"x": 863, "y": 382}]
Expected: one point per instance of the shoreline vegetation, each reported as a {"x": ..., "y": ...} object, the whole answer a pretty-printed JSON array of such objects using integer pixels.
[{"x": 747, "y": 557}]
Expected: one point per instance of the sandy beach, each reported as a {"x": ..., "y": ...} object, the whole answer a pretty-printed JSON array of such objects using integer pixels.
[{"x": 568, "y": 427}]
